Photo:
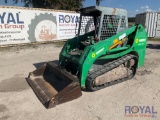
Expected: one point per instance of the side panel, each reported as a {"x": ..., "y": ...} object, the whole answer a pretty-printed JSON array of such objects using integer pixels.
[
  {"x": 140, "y": 43},
  {"x": 102, "y": 48}
]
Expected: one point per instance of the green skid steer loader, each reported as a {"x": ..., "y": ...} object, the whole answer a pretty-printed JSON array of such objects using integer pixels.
[{"x": 103, "y": 53}]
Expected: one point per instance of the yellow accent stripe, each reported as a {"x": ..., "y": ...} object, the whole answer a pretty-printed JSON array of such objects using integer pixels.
[
  {"x": 117, "y": 43},
  {"x": 114, "y": 45}
]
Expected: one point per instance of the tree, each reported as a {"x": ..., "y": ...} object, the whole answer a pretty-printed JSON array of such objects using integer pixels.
[
  {"x": 98, "y": 2},
  {"x": 65, "y": 4},
  {"x": 52, "y": 4}
]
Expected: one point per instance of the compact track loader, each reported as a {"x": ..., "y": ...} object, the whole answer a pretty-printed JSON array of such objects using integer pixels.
[{"x": 103, "y": 53}]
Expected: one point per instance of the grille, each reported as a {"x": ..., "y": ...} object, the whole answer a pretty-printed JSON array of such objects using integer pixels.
[
  {"x": 123, "y": 22},
  {"x": 87, "y": 24},
  {"x": 109, "y": 26}
]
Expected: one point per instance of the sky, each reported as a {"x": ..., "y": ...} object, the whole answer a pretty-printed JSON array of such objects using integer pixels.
[
  {"x": 133, "y": 7},
  {"x": 10, "y": 3}
]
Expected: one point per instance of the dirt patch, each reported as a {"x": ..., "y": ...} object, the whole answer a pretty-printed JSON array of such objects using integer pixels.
[
  {"x": 143, "y": 72},
  {"x": 15, "y": 84},
  {"x": 18, "y": 48},
  {"x": 5, "y": 117},
  {"x": 3, "y": 108},
  {"x": 99, "y": 118}
]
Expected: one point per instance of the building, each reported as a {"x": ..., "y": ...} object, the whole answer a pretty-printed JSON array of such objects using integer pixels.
[{"x": 151, "y": 22}]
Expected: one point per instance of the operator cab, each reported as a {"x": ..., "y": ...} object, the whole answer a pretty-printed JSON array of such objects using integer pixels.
[
  {"x": 97, "y": 24},
  {"x": 100, "y": 23}
]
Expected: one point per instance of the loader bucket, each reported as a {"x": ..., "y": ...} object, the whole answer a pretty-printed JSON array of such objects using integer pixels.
[{"x": 54, "y": 85}]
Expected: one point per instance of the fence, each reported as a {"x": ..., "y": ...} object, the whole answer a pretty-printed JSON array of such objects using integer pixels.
[{"x": 24, "y": 25}]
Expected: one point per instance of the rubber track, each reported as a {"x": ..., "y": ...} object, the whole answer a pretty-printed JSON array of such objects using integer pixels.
[{"x": 108, "y": 67}]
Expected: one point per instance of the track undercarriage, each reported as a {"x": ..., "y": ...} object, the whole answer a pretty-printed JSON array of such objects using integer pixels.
[{"x": 114, "y": 72}]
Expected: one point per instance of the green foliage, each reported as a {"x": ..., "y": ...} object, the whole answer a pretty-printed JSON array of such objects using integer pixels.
[
  {"x": 65, "y": 4},
  {"x": 51, "y": 4}
]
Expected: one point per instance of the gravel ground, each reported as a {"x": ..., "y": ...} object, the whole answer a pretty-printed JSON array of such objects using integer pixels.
[{"x": 18, "y": 101}]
